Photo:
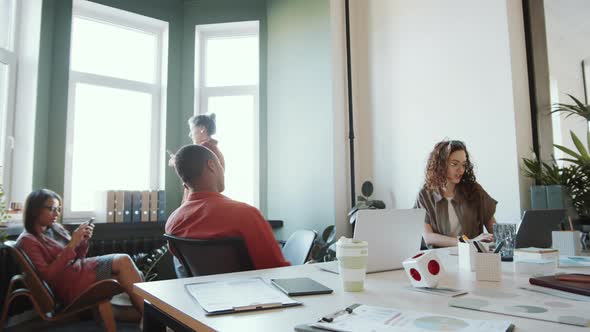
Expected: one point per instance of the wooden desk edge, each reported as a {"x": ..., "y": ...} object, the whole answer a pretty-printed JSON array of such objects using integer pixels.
[{"x": 180, "y": 316}]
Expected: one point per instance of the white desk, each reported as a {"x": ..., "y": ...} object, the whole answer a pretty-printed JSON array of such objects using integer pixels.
[{"x": 168, "y": 298}]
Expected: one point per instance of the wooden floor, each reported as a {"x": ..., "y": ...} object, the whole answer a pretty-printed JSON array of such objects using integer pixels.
[{"x": 87, "y": 326}]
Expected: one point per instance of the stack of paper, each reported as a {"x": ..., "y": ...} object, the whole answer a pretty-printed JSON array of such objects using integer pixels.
[
  {"x": 535, "y": 261},
  {"x": 536, "y": 254}
]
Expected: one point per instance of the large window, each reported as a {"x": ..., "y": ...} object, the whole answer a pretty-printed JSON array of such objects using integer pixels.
[
  {"x": 8, "y": 66},
  {"x": 116, "y": 110},
  {"x": 226, "y": 82}
]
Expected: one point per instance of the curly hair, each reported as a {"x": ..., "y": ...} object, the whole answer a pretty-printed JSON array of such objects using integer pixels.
[{"x": 436, "y": 168}]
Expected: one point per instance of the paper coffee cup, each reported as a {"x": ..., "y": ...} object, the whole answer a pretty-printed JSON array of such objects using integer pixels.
[{"x": 352, "y": 263}]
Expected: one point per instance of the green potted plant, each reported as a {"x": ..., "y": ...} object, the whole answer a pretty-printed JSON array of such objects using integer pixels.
[
  {"x": 3, "y": 215},
  {"x": 573, "y": 176}
]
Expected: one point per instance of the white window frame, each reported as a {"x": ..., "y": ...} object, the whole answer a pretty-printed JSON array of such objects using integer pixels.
[
  {"x": 9, "y": 57},
  {"x": 202, "y": 92},
  {"x": 105, "y": 14}
]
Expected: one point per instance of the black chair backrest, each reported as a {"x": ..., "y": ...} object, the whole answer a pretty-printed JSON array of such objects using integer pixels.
[
  {"x": 40, "y": 290},
  {"x": 202, "y": 257},
  {"x": 297, "y": 248}
]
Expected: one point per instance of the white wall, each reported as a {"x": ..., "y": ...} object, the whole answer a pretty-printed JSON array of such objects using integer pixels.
[
  {"x": 568, "y": 29},
  {"x": 427, "y": 70},
  {"x": 26, "y": 99}
]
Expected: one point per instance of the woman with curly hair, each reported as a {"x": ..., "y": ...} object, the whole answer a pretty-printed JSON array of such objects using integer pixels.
[{"x": 455, "y": 203}]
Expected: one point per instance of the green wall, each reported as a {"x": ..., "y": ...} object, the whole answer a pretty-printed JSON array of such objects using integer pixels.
[
  {"x": 300, "y": 185},
  {"x": 53, "y": 87},
  {"x": 295, "y": 115},
  {"x": 223, "y": 11}
]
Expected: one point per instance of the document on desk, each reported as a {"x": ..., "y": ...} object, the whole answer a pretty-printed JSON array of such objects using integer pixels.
[
  {"x": 574, "y": 261},
  {"x": 221, "y": 297},
  {"x": 442, "y": 291},
  {"x": 369, "y": 318},
  {"x": 533, "y": 305}
]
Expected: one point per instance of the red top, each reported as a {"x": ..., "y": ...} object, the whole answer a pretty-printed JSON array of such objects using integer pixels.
[
  {"x": 211, "y": 144},
  {"x": 54, "y": 263},
  {"x": 209, "y": 215}
]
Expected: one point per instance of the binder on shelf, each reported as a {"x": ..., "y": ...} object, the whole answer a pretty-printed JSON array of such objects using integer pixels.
[
  {"x": 119, "y": 205},
  {"x": 128, "y": 208},
  {"x": 153, "y": 205},
  {"x": 110, "y": 209},
  {"x": 136, "y": 207},
  {"x": 145, "y": 206},
  {"x": 161, "y": 206},
  {"x": 538, "y": 197}
]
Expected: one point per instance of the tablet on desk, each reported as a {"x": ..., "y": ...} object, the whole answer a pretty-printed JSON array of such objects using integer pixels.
[{"x": 300, "y": 286}]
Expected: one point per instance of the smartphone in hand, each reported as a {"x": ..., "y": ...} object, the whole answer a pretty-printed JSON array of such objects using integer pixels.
[{"x": 90, "y": 222}]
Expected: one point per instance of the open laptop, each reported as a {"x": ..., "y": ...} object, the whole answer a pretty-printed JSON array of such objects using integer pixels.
[
  {"x": 536, "y": 227},
  {"x": 393, "y": 236}
]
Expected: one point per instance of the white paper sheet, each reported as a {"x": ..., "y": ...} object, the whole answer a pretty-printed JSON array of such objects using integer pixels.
[
  {"x": 237, "y": 295},
  {"x": 377, "y": 319},
  {"x": 574, "y": 261},
  {"x": 527, "y": 304}
]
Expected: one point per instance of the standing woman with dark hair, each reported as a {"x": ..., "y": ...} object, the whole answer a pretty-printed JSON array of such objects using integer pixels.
[
  {"x": 61, "y": 258},
  {"x": 202, "y": 127},
  {"x": 455, "y": 203}
]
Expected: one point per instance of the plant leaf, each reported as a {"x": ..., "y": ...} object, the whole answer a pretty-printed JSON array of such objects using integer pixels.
[
  {"x": 568, "y": 151},
  {"x": 581, "y": 148},
  {"x": 579, "y": 103}
]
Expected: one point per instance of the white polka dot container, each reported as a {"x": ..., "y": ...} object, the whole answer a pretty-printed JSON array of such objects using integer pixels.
[{"x": 424, "y": 269}]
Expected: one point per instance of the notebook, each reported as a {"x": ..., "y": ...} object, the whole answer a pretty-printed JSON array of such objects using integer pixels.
[
  {"x": 577, "y": 283},
  {"x": 300, "y": 286}
]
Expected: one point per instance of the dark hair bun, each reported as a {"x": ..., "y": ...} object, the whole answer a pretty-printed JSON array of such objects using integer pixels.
[{"x": 212, "y": 117}]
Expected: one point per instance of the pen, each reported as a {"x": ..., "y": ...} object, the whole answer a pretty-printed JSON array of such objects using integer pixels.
[
  {"x": 571, "y": 223},
  {"x": 330, "y": 318},
  {"x": 478, "y": 246},
  {"x": 499, "y": 246},
  {"x": 465, "y": 238}
]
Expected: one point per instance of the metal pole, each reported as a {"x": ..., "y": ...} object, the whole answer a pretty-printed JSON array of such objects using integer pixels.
[{"x": 350, "y": 109}]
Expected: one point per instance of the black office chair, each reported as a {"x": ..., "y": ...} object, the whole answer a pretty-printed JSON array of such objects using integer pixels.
[
  {"x": 297, "y": 248},
  {"x": 201, "y": 257}
]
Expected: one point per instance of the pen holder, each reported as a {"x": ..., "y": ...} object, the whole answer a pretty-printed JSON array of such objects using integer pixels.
[
  {"x": 487, "y": 266},
  {"x": 567, "y": 242},
  {"x": 466, "y": 256}
]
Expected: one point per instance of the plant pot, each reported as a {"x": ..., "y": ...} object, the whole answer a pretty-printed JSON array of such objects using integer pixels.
[{"x": 584, "y": 221}]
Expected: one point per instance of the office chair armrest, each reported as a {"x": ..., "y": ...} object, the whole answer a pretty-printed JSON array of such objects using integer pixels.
[{"x": 96, "y": 293}]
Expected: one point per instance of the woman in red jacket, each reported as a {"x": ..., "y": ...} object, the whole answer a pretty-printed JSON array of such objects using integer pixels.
[{"x": 61, "y": 258}]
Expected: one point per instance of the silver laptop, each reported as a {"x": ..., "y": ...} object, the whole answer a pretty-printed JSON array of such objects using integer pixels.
[{"x": 393, "y": 236}]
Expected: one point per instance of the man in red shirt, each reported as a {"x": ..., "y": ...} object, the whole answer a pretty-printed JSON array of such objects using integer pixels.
[{"x": 207, "y": 214}]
